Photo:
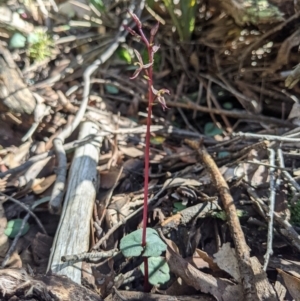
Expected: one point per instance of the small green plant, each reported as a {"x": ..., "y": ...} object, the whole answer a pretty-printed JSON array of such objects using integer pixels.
[
  {"x": 40, "y": 45},
  {"x": 146, "y": 242},
  {"x": 13, "y": 227},
  {"x": 185, "y": 20},
  {"x": 158, "y": 268}
]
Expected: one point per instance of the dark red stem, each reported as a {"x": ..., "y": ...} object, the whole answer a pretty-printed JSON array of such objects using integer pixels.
[
  {"x": 147, "y": 148},
  {"x": 147, "y": 152}
]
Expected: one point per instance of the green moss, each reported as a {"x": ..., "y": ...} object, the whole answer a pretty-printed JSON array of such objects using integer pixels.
[{"x": 40, "y": 45}]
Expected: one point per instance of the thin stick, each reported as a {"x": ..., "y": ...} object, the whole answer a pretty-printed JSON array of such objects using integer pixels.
[
  {"x": 199, "y": 95},
  {"x": 266, "y": 137},
  {"x": 230, "y": 113},
  {"x": 26, "y": 209},
  {"x": 285, "y": 173},
  {"x": 269, "y": 251},
  {"x": 241, "y": 247},
  {"x": 90, "y": 256},
  {"x": 288, "y": 230}
]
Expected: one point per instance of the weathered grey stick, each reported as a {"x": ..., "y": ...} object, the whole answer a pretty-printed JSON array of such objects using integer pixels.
[{"x": 73, "y": 233}]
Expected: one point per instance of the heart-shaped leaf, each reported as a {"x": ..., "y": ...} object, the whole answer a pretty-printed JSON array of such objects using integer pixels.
[
  {"x": 211, "y": 130},
  {"x": 13, "y": 228},
  {"x": 131, "y": 244},
  {"x": 111, "y": 89},
  {"x": 158, "y": 269}
]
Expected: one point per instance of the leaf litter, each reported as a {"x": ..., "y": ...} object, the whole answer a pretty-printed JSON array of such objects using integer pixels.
[{"x": 210, "y": 202}]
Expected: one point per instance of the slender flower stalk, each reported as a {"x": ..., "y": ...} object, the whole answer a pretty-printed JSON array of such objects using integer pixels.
[{"x": 153, "y": 95}]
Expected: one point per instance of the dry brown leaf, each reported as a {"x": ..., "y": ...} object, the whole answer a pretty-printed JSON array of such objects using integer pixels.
[
  {"x": 264, "y": 289},
  {"x": 181, "y": 182},
  {"x": 226, "y": 259},
  {"x": 108, "y": 178},
  {"x": 290, "y": 266},
  {"x": 187, "y": 156},
  {"x": 172, "y": 244},
  {"x": 131, "y": 151},
  {"x": 221, "y": 289},
  {"x": 205, "y": 258},
  {"x": 280, "y": 290},
  {"x": 283, "y": 54},
  {"x": 40, "y": 185},
  {"x": 177, "y": 288},
  {"x": 292, "y": 283},
  {"x": 14, "y": 159},
  {"x": 14, "y": 261},
  {"x": 104, "y": 275},
  {"x": 133, "y": 165}
]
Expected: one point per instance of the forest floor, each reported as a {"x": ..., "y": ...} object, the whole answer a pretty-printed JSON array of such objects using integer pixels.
[{"x": 224, "y": 170}]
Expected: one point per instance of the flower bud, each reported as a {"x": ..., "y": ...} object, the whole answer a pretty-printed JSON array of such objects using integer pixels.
[{"x": 154, "y": 29}]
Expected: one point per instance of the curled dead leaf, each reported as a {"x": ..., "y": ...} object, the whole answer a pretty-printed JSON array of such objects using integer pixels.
[{"x": 40, "y": 185}]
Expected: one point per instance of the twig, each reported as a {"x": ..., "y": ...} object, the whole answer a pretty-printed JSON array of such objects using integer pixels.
[
  {"x": 43, "y": 8},
  {"x": 230, "y": 113},
  {"x": 54, "y": 5},
  {"x": 265, "y": 137},
  {"x": 128, "y": 277},
  {"x": 269, "y": 166},
  {"x": 178, "y": 93},
  {"x": 210, "y": 95},
  {"x": 221, "y": 144},
  {"x": 198, "y": 100},
  {"x": 90, "y": 256},
  {"x": 227, "y": 87},
  {"x": 119, "y": 294},
  {"x": 208, "y": 101},
  {"x": 269, "y": 251},
  {"x": 37, "y": 116},
  {"x": 241, "y": 247},
  {"x": 288, "y": 230},
  {"x": 285, "y": 173},
  {"x": 26, "y": 209}
]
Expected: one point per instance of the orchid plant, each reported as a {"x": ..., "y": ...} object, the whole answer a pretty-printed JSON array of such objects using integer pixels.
[{"x": 150, "y": 246}]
